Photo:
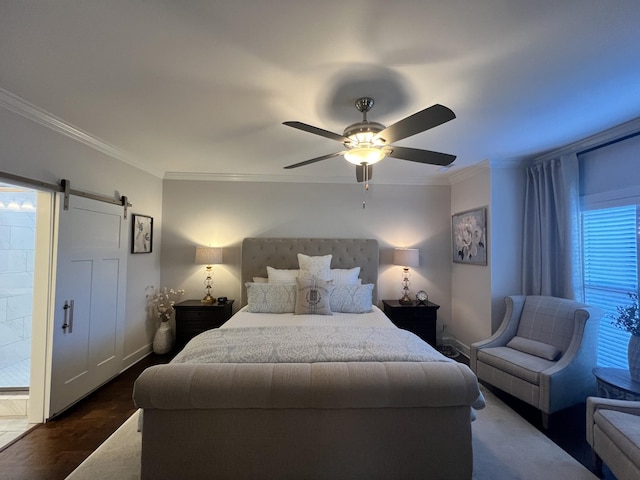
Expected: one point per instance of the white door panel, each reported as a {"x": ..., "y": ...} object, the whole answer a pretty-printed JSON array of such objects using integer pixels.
[{"x": 87, "y": 345}]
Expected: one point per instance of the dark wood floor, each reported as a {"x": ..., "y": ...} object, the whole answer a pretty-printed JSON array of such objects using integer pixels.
[{"x": 55, "y": 449}]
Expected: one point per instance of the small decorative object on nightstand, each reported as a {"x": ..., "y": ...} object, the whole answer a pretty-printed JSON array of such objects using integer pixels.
[
  {"x": 194, "y": 317},
  {"x": 422, "y": 298},
  {"x": 419, "y": 319},
  {"x": 406, "y": 257}
]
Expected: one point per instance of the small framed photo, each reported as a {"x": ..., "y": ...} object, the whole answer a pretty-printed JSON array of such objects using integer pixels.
[
  {"x": 469, "y": 236},
  {"x": 142, "y": 234}
]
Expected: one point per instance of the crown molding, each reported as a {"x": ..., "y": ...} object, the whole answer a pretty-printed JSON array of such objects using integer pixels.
[
  {"x": 18, "y": 105},
  {"x": 232, "y": 177},
  {"x": 468, "y": 172}
]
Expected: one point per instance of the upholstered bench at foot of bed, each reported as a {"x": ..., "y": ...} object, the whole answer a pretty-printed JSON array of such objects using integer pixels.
[{"x": 321, "y": 420}]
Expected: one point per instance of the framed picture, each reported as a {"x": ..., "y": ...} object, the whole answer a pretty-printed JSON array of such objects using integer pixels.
[
  {"x": 142, "y": 234},
  {"x": 469, "y": 236}
]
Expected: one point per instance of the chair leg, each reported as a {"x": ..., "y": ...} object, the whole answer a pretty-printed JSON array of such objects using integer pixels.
[
  {"x": 545, "y": 420},
  {"x": 597, "y": 463}
]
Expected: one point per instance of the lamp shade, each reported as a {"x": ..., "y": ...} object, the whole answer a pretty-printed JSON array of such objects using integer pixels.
[
  {"x": 208, "y": 255},
  {"x": 406, "y": 257}
]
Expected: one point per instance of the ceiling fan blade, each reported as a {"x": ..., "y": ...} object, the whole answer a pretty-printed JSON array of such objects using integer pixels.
[
  {"x": 421, "y": 156},
  {"x": 416, "y": 123},
  {"x": 314, "y": 160},
  {"x": 318, "y": 131},
  {"x": 360, "y": 173}
]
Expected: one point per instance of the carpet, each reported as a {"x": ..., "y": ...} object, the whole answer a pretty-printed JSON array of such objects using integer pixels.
[{"x": 505, "y": 447}]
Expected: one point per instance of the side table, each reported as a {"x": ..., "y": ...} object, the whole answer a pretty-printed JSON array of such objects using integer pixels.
[
  {"x": 418, "y": 319},
  {"x": 194, "y": 317},
  {"x": 616, "y": 383}
]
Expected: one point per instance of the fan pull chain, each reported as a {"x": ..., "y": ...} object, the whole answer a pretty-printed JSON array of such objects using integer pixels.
[{"x": 365, "y": 174}]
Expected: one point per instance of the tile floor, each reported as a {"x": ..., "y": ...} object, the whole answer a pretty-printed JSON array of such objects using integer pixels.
[{"x": 13, "y": 417}]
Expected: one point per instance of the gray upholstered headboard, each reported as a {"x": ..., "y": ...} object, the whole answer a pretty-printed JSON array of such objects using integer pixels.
[{"x": 258, "y": 253}]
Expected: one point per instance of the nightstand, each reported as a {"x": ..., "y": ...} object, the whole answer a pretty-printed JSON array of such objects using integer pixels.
[
  {"x": 194, "y": 317},
  {"x": 419, "y": 319}
]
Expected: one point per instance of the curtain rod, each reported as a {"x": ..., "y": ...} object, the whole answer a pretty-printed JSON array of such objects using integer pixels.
[{"x": 65, "y": 187}]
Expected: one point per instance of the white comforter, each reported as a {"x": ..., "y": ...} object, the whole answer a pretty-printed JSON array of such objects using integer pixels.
[{"x": 303, "y": 344}]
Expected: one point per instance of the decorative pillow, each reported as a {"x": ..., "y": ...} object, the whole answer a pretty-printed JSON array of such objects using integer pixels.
[
  {"x": 345, "y": 276},
  {"x": 318, "y": 267},
  {"x": 313, "y": 296},
  {"x": 277, "y": 275},
  {"x": 260, "y": 279},
  {"x": 352, "y": 298},
  {"x": 539, "y": 349},
  {"x": 271, "y": 297}
]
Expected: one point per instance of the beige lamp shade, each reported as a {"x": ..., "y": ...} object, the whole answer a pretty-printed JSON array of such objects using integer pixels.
[
  {"x": 406, "y": 257},
  {"x": 208, "y": 255}
]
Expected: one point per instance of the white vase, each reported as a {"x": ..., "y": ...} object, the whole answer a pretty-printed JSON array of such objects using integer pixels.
[
  {"x": 633, "y": 356},
  {"x": 163, "y": 339}
]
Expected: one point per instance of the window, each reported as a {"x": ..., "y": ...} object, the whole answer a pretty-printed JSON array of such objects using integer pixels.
[{"x": 610, "y": 268}]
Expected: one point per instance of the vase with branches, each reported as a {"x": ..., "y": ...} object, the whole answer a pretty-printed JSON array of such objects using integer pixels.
[
  {"x": 161, "y": 304},
  {"x": 628, "y": 318}
]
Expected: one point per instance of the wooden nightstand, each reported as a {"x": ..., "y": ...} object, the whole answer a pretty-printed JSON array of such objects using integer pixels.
[
  {"x": 194, "y": 317},
  {"x": 419, "y": 319}
]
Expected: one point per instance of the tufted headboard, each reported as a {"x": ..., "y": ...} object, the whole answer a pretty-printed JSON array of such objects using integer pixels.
[{"x": 258, "y": 253}]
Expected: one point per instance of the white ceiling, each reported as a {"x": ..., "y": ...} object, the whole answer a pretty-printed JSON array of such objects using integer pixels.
[{"x": 202, "y": 87}]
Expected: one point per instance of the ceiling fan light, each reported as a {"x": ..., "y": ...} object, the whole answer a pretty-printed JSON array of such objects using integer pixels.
[{"x": 366, "y": 155}]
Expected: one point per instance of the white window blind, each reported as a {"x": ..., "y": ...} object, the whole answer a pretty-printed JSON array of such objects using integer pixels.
[{"x": 610, "y": 256}]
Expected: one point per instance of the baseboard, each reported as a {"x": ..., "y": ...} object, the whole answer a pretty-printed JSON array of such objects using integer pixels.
[{"x": 136, "y": 356}]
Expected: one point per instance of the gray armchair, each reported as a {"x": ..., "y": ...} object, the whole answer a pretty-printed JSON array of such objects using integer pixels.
[
  {"x": 613, "y": 431},
  {"x": 543, "y": 352}
]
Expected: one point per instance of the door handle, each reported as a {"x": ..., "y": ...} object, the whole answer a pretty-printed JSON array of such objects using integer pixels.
[{"x": 67, "y": 326}]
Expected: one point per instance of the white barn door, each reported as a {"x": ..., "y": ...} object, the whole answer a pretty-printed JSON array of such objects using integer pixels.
[{"x": 90, "y": 289}]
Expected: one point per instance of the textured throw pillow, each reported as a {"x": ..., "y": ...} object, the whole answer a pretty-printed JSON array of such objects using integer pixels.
[
  {"x": 313, "y": 296},
  {"x": 271, "y": 297},
  {"x": 277, "y": 275},
  {"x": 539, "y": 349},
  {"x": 352, "y": 298},
  {"x": 345, "y": 276},
  {"x": 318, "y": 267}
]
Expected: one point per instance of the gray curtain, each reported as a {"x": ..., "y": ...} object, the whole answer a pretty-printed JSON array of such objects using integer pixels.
[{"x": 552, "y": 260}]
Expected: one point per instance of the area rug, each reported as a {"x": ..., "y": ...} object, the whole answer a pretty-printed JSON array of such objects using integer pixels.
[{"x": 505, "y": 447}]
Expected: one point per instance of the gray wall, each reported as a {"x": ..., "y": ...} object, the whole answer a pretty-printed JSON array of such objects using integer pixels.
[{"x": 223, "y": 213}]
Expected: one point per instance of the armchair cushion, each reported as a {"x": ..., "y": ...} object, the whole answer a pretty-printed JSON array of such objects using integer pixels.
[
  {"x": 515, "y": 362},
  {"x": 539, "y": 349},
  {"x": 623, "y": 429}
]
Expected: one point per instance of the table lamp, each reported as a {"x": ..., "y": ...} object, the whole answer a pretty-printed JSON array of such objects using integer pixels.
[
  {"x": 208, "y": 256},
  {"x": 406, "y": 257}
]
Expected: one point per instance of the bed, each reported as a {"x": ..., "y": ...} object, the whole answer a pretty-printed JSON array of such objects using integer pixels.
[{"x": 314, "y": 394}]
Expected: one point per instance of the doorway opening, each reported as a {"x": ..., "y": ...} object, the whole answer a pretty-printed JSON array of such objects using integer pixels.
[{"x": 17, "y": 251}]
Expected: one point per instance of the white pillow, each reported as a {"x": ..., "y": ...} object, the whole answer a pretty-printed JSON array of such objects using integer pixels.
[
  {"x": 260, "y": 279},
  {"x": 352, "y": 298},
  {"x": 317, "y": 267},
  {"x": 271, "y": 297},
  {"x": 345, "y": 276},
  {"x": 277, "y": 275},
  {"x": 532, "y": 347}
]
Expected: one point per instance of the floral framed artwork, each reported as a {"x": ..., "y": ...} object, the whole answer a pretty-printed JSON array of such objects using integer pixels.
[
  {"x": 142, "y": 234},
  {"x": 469, "y": 236}
]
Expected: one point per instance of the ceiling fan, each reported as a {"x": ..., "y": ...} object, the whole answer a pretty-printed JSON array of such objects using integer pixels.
[{"x": 366, "y": 143}]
